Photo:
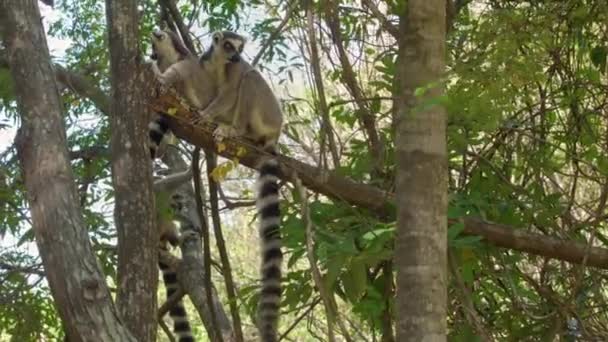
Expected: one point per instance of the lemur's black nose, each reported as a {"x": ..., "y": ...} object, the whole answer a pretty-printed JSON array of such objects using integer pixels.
[{"x": 235, "y": 58}]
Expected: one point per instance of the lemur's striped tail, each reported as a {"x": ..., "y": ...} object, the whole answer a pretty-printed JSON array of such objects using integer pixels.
[
  {"x": 178, "y": 314},
  {"x": 157, "y": 130},
  {"x": 272, "y": 257},
  {"x": 181, "y": 326}
]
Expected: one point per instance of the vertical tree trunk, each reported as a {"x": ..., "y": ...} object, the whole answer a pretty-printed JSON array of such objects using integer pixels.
[
  {"x": 131, "y": 174},
  {"x": 74, "y": 276},
  {"x": 421, "y": 246}
]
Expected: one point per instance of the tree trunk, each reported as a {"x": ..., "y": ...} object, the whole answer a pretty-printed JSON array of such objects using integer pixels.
[
  {"x": 134, "y": 212},
  {"x": 421, "y": 185},
  {"x": 78, "y": 286}
]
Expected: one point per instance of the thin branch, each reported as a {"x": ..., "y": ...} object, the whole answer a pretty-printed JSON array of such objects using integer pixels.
[
  {"x": 166, "y": 329},
  {"x": 206, "y": 239},
  {"x": 91, "y": 152},
  {"x": 379, "y": 203},
  {"x": 331, "y": 311},
  {"x": 384, "y": 22},
  {"x": 315, "y": 62},
  {"x": 467, "y": 301},
  {"x": 34, "y": 269},
  {"x": 291, "y": 8},
  {"x": 179, "y": 22},
  {"x": 366, "y": 119},
  {"x": 170, "y": 303},
  {"x": 300, "y": 318},
  {"x": 221, "y": 246}
]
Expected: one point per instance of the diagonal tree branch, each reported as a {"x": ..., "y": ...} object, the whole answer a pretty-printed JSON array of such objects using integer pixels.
[
  {"x": 386, "y": 24},
  {"x": 349, "y": 78},
  {"x": 376, "y": 201},
  {"x": 359, "y": 195},
  {"x": 290, "y": 9}
]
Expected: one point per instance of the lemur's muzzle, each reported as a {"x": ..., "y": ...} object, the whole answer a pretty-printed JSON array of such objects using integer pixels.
[{"x": 235, "y": 58}]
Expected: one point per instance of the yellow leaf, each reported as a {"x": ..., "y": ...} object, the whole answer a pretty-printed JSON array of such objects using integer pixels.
[
  {"x": 171, "y": 111},
  {"x": 219, "y": 173},
  {"x": 241, "y": 151},
  {"x": 221, "y": 147}
]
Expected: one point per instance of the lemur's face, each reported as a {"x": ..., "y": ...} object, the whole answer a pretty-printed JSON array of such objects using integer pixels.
[
  {"x": 229, "y": 46},
  {"x": 163, "y": 46}
]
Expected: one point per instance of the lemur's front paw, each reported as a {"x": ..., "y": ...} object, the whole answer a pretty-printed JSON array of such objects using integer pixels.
[
  {"x": 222, "y": 132},
  {"x": 160, "y": 81},
  {"x": 200, "y": 118}
]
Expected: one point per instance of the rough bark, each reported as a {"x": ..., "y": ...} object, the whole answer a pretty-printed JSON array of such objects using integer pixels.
[
  {"x": 87, "y": 90},
  {"x": 77, "y": 284},
  {"x": 421, "y": 184},
  {"x": 134, "y": 211}
]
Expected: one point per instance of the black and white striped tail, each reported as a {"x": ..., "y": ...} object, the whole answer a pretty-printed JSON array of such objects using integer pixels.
[
  {"x": 181, "y": 326},
  {"x": 272, "y": 257},
  {"x": 157, "y": 130},
  {"x": 178, "y": 314}
]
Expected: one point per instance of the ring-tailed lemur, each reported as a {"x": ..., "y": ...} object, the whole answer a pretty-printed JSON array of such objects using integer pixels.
[
  {"x": 246, "y": 106},
  {"x": 174, "y": 65},
  {"x": 169, "y": 50}
]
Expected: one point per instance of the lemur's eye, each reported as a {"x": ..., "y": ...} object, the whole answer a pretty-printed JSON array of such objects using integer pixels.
[
  {"x": 228, "y": 46},
  {"x": 241, "y": 49}
]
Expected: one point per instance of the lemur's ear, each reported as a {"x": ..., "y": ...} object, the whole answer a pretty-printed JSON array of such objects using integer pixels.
[{"x": 217, "y": 36}]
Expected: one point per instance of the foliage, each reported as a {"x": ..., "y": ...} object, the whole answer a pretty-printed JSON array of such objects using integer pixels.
[{"x": 527, "y": 143}]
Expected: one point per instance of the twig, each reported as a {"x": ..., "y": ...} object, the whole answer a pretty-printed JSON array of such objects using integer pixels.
[
  {"x": 166, "y": 329},
  {"x": 366, "y": 119},
  {"x": 206, "y": 239},
  {"x": 384, "y": 22},
  {"x": 221, "y": 246},
  {"x": 467, "y": 301},
  {"x": 170, "y": 303},
  {"x": 318, "y": 79},
  {"x": 328, "y": 300},
  {"x": 179, "y": 22},
  {"x": 300, "y": 318},
  {"x": 291, "y": 8},
  {"x": 230, "y": 204}
]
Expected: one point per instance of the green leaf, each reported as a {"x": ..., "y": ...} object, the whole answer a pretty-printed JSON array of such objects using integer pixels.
[
  {"x": 334, "y": 268},
  {"x": 455, "y": 230},
  {"x": 355, "y": 280},
  {"x": 598, "y": 57}
]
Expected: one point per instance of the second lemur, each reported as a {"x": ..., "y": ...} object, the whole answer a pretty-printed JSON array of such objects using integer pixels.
[
  {"x": 168, "y": 50},
  {"x": 174, "y": 65}
]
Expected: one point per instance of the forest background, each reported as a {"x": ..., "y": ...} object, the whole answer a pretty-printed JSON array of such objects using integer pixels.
[{"x": 524, "y": 90}]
